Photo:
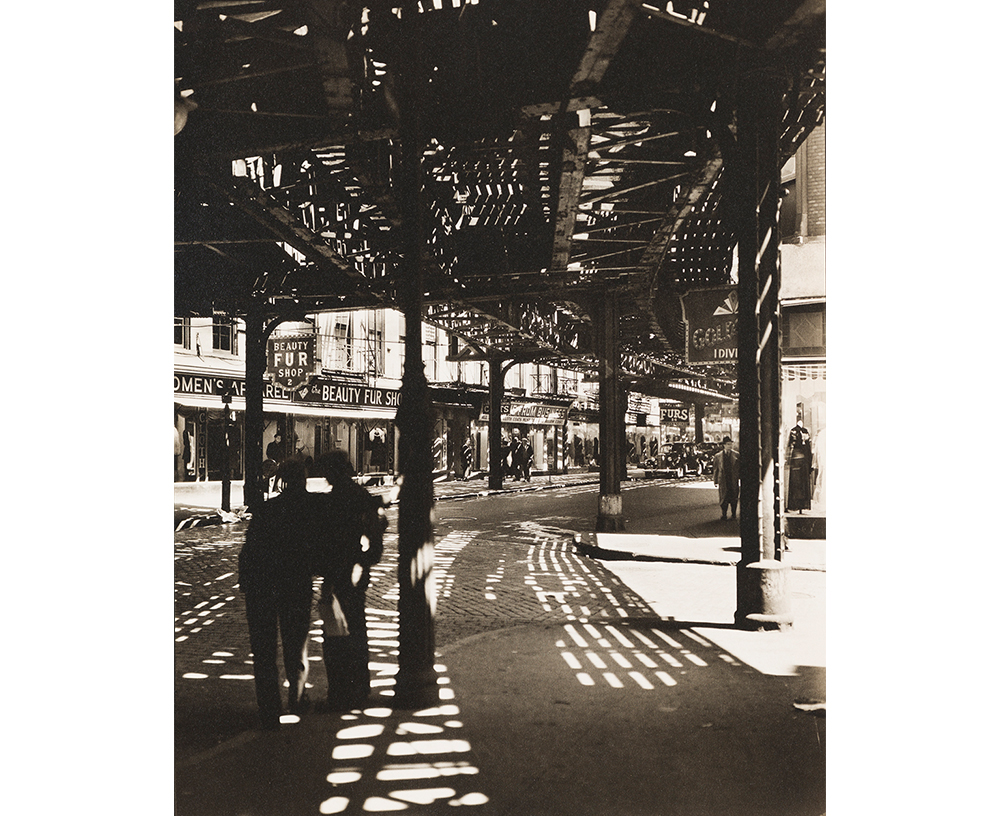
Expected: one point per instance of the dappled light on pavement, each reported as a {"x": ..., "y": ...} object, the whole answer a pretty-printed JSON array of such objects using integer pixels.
[{"x": 627, "y": 656}]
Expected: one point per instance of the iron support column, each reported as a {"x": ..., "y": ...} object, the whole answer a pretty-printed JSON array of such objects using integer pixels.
[
  {"x": 699, "y": 422},
  {"x": 416, "y": 681},
  {"x": 256, "y": 368},
  {"x": 762, "y": 597},
  {"x": 498, "y": 370},
  {"x": 610, "y": 518},
  {"x": 227, "y": 478}
]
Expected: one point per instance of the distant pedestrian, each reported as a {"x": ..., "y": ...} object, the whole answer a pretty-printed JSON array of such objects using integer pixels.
[
  {"x": 527, "y": 459},
  {"x": 269, "y": 472},
  {"x": 276, "y": 580},
  {"x": 179, "y": 466},
  {"x": 276, "y": 448},
  {"x": 726, "y": 473},
  {"x": 349, "y": 536},
  {"x": 467, "y": 458},
  {"x": 516, "y": 452}
]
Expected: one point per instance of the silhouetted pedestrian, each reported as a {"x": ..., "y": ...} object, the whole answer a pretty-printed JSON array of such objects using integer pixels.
[
  {"x": 726, "y": 473},
  {"x": 275, "y": 577},
  {"x": 276, "y": 448},
  {"x": 349, "y": 542},
  {"x": 527, "y": 459},
  {"x": 467, "y": 458}
]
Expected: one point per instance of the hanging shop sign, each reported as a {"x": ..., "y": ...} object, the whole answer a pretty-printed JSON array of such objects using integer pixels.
[
  {"x": 320, "y": 392},
  {"x": 710, "y": 316},
  {"x": 291, "y": 360}
]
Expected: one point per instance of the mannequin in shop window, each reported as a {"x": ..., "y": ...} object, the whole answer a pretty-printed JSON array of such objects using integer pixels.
[{"x": 800, "y": 465}]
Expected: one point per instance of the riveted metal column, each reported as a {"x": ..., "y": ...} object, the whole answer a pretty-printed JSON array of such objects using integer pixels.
[
  {"x": 253, "y": 439},
  {"x": 610, "y": 518},
  {"x": 762, "y": 596},
  {"x": 416, "y": 681},
  {"x": 699, "y": 422},
  {"x": 497, "y": 373}
]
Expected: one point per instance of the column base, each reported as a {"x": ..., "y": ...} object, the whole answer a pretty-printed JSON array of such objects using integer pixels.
[
  {"x": 609, "y": 514},
  {"x": 416, "y": 690},
  {"x": 762, "y": 596}
]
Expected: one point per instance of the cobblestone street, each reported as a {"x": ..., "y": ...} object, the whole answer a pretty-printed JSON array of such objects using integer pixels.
[{"x": 524, "y": 573}]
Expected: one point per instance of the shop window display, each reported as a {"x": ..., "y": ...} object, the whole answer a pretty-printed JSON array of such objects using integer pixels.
[{"x": 803, "y": 439}]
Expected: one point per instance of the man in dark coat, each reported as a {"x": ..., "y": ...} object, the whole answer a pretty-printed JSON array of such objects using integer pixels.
[
  {"x": 726, "y": 473},
  {"x": 276, "y": 449},
  {"x": 275, "y": 577},
  {"x": 351, "y": 523}
]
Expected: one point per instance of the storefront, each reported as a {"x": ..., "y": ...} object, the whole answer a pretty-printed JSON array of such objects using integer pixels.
[
  {"x": 642, "y": 429},
  {"x": 803, "y": 443},
  {"x": 676, "y": 423},
  {"x": 456, "y": 409},
  {"x": 317, "y": 418},
  {"x": 539, "y": 423},
  {"x": 583, "y": 437}
]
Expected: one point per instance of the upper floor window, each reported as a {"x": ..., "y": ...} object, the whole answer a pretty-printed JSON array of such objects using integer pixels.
[
  {"x": 182, "y": 332},
  {"x": 224, "y": 334},
  {"x": 376, "y": 343},
  {"x": 343, "y": 342},
  {"x": 803, "y": 330}
]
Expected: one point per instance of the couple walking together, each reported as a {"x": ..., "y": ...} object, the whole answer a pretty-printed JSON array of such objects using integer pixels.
[{"x": 291, "y": 539}]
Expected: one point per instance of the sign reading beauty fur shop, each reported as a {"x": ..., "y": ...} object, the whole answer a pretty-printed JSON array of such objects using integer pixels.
[{"x": 291, "y": 360}]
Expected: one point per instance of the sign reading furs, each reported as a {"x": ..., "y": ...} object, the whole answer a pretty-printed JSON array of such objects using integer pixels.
[
  {"x": 291, "y": 361},
  {"x": 710, "y": 316}
]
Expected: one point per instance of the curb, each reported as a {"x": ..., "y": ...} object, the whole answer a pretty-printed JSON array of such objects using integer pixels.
[{"x": 603, "y": 554}]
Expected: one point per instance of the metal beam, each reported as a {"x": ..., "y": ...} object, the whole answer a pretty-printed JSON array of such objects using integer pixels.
[
  {"x": 611, "y": 28},
  {"x": 803, "y": 20},
  {"x": 695, "y": 26},
  {"x": 329, "y": 41}
]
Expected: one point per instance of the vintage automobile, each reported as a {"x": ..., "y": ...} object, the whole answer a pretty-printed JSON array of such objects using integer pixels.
[
  {"x": 684, "y": 459},
  {"x": 706, "y": 452}
]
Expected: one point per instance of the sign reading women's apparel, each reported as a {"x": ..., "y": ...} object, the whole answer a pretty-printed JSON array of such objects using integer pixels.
[
  {"x": 291, "y": 361},
  {"x": 710, "y": 315}
]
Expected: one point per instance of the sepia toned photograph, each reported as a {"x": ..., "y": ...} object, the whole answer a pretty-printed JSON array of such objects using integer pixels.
[{"x": 499, "y": 407}]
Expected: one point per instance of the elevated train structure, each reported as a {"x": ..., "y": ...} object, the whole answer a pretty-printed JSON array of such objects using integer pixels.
[{"x": 543, "y": 178}]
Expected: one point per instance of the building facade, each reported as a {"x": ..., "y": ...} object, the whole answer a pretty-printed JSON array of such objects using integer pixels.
[
  {"x": 350, "y": 401},
  {"x": 803, "y": 338}
]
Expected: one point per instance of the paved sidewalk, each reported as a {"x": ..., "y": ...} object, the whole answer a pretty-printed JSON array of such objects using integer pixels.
[{"x": 198, "y": 504}]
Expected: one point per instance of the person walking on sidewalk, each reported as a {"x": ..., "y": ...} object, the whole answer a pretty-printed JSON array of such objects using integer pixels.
[
  {"x": 726, "y": 470},
  {"x": 275, "y": 577},
  {"x": 349, "y": 543}
]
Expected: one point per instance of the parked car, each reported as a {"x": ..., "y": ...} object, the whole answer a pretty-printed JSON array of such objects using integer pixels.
[
  {"x": 706, "y": 452},
  {"x": 684, "y": 459}
]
